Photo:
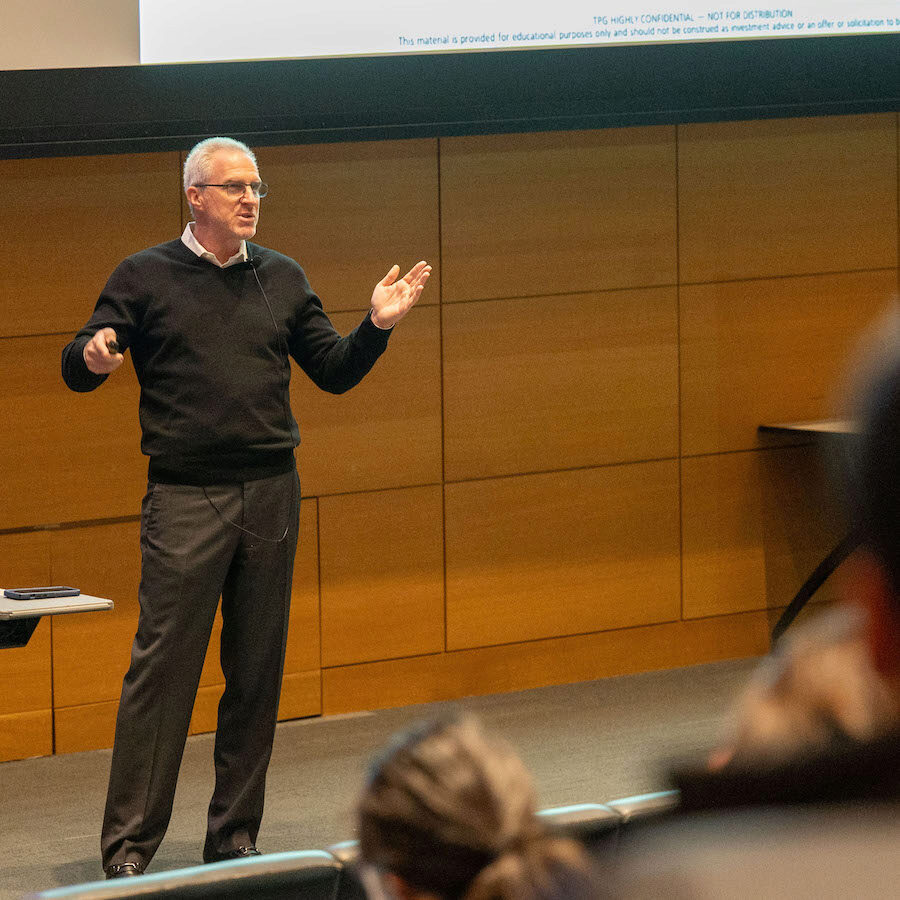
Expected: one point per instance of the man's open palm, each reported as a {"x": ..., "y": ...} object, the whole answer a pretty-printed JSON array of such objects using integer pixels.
[{"x": 392, "y": 299}]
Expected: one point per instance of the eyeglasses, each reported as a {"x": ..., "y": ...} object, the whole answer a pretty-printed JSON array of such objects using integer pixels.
[{"x": 236, "y": 189}]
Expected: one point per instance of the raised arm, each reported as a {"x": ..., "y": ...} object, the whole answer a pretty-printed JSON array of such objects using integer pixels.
[
  {"x": 393, "y": 299},
  {"x": 336, "y": 363}
]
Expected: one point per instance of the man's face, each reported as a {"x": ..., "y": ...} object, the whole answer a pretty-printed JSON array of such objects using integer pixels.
[{"x": 228, "y": 219}]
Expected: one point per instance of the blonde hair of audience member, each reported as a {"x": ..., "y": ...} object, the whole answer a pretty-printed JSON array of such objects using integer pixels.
[
  {"x": 448, "y": 813},
  {"x": 820, "y": 687}
]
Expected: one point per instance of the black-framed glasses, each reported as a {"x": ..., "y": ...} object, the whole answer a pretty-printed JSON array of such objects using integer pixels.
[{"x": 236, "y": 189}]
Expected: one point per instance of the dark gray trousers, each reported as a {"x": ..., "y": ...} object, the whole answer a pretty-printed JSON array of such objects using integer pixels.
[{"x": 193, "y": 552}]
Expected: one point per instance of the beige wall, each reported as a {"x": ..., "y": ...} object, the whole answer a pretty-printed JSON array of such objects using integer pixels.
[
  {"x": 48, "y": 34},
  {"x": 554, "y": 473}
]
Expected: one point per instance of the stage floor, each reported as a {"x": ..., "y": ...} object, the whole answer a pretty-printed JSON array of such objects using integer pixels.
[{"x": 588, "y": 742}]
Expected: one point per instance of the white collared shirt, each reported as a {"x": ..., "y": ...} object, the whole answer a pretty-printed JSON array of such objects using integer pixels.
[{"x": 189, "y": 241}]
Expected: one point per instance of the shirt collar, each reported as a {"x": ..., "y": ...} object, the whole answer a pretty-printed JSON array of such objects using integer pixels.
[{"x": 191, "y": 242}]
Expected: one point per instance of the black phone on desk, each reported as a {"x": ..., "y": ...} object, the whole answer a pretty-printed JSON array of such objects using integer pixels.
[{"x": 41, "y": 593}]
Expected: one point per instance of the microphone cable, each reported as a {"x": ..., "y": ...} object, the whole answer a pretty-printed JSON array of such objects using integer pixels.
[{"x": 252, "y": 263}]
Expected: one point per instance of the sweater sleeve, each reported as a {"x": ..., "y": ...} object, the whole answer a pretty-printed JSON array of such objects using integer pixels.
[
  {"x": 334, "y": 363},
  {"x": 118, "y": 307}
]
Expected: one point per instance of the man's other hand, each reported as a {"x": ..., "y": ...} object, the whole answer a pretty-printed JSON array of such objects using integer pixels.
[
  {"x": 393, "y": 299},
  {"x": 97, "y": 356}
]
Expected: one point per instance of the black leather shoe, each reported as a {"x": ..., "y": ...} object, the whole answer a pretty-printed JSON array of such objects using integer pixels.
[
  {"x": 124, "y": 870},
  {"x": 239, "y": 853}
]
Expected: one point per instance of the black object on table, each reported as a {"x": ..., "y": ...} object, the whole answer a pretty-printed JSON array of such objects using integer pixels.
[{"x": 17, "y": 632}]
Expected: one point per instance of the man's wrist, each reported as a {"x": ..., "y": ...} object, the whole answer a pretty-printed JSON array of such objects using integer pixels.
[{"x": 376, "y": 323}]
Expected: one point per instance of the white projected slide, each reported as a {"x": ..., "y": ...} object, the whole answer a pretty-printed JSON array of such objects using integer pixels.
[{"x": 211, "y": 30}]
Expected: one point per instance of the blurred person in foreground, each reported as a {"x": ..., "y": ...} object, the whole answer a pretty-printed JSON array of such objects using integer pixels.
[
  {"x": 449, "y": 813},
  {"x": 820, "y": 688},
  {"x": 803, "y": 800},
  {"x": 832, "y": 684}
]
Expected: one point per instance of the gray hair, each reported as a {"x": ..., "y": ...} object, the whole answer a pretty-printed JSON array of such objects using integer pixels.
[{"x": 199, "y": 160}]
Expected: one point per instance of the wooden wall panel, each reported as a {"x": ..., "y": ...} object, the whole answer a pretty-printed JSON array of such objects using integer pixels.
[
  {"x": 301, "y": 695},
  {"x": 76, "y": 219},
  {"x": 538, "y": 214},
  {"x": 382, "y": 575},
  {"x": 565, "y": 553},
  {"x": 88, "y": 727},
  {"x": 75, "y": 456},
  {"x": 560, "y": 382},
  {"x": 206, "y": 704},
  {"x": 386, "y": 432},
  {"x": 26, "y": 734},
  {"x": 755, "y": 525},
  {"x": 92, "y": 651},
  {"x": 25, "y": 671},
  {"x": 517, "y": 667},
  {"x": 348, "y": 212},
  {"x": 24, "y": 559},
  {"x": 787, "y": 196},
  {"x": 768, "y": 351},
  {"x": 582, "y": 565}
]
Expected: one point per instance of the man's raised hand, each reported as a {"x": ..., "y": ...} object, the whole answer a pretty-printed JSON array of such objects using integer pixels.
[
  {"x": 392, "y": 299},
  {"x": 98, "y": 357}
]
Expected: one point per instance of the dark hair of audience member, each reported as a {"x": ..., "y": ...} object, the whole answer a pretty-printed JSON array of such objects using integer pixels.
[
  {"x": 876, "y": 475},
  {"x": 872, "y": 486},
  {"x": 451, "y": 813}
]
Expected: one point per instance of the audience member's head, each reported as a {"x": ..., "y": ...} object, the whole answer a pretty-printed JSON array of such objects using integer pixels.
[
  {"x": 837, "y": 677},
  {"x": 873, "y": 488},
  {"x": 804, "y": 799},
  {"x": 819, "y": 689},
  {"x": 449, "y": 813}
]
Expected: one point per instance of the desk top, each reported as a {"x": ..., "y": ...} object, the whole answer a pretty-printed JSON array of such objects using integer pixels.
[
  {"x": 26, "y": 609},
  {"x": 819, "y": 426}
]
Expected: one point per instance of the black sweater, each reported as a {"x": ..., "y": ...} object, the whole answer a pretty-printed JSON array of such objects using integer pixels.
[{"x": 213, "y": 371}]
